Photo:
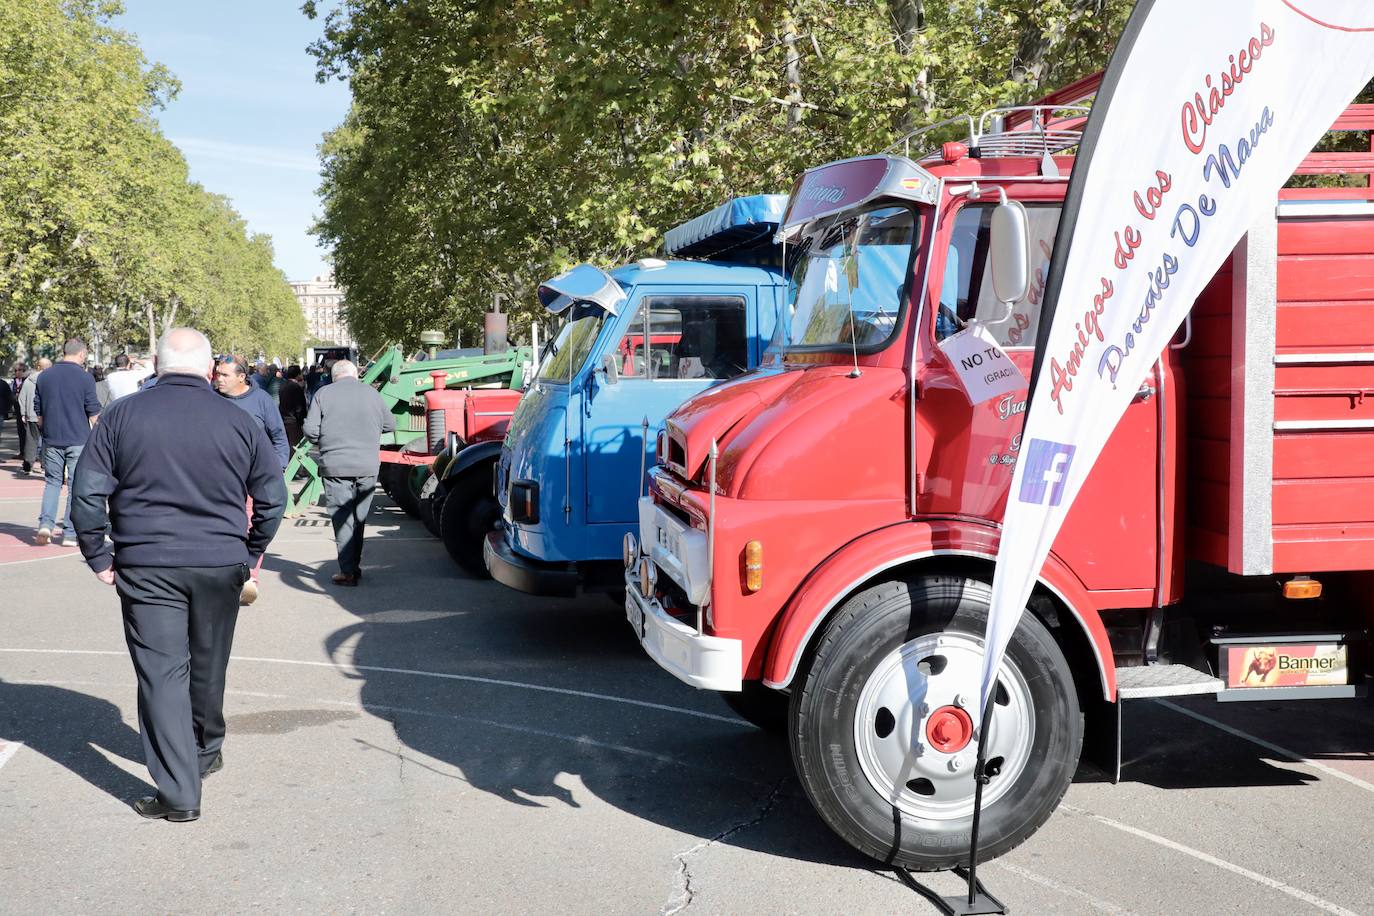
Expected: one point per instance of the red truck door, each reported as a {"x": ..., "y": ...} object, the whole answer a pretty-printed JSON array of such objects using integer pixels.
[{"x": 965, "y": 454}]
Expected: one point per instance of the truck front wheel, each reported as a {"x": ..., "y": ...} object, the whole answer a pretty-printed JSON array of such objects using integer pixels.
[
  {"x": 469, "y": 513},
  {"x": 882, "y": 726}
]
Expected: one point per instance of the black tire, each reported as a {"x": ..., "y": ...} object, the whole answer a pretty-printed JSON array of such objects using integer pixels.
[
  {"x": 858, "y": 645},
  {"x": 403, "y": 492},
  {"x": 760, "y": 705},
  {"x": 430, "y": 511},
  {"x": 386, "y": 478},
  {"x": 470, "y": 513}
]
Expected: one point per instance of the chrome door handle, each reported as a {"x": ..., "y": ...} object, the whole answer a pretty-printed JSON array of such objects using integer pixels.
[{"x": 1146, "y": 392}]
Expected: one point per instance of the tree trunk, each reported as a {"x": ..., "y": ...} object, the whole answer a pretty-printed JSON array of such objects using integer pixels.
[
  {"x": 1031, "y": 66},
  {"x": 908, "y": 20},
  {"x": 793, "y": 73},
  {"x": 152, "y": 328}
]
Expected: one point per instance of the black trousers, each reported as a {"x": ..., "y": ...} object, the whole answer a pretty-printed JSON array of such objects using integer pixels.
[
  {"x": 179, "y": 624},
  {"x": 349, "y": 500}
]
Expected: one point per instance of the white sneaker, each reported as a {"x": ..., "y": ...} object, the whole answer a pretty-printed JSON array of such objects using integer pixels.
[
  {"x": 42, "y": 537},
  {"x": 248, "y": 594}
]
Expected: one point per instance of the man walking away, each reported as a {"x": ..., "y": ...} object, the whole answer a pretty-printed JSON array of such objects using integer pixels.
[
  {"x": 102, "y": 386},
  {"x": 28, "y": 416},
  {"x": 347, "y": 420},
  {"x": 170, "y": 470},
  {"x": 66, "y": 405},
  {"x": 231, "y": 380},
  {"x": 127, "y": 376},
  {"x": 291, "y": 401}
]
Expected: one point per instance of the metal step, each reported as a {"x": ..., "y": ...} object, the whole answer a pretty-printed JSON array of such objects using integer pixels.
[{"x": 1164, "y": 681}]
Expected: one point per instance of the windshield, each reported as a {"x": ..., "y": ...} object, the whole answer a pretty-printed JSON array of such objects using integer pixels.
[
  {"x": 847, "y": 288},
  {"x": 581, "y": 324}
]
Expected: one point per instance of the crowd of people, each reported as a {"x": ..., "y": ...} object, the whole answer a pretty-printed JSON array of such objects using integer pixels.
[{"x": 174, "y": 471}]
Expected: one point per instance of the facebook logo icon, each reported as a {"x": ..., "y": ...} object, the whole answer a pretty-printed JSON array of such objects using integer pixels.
[{"x": 1047, "y": 466}]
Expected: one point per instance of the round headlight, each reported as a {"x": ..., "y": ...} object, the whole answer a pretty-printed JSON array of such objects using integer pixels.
[
  {"x": 629, "y": 550},
  {"x": 648, "y": 577}
]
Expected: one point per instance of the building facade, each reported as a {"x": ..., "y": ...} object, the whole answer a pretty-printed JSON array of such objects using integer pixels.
[{"x": 322, "y": 303}]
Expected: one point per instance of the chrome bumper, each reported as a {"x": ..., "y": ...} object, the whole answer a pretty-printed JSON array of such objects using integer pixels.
[{"x": 708, "y": 662}]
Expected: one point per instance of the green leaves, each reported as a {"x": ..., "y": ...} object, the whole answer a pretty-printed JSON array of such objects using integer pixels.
[
  {"x": 98, "y": 220},
  {"x": 490, "y": 145}
]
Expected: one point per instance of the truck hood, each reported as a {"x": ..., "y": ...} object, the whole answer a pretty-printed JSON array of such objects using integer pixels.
[{"x": 710, "y": 415}]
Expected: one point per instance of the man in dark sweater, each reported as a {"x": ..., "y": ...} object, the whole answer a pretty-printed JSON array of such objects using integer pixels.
[
  {"x": 169, "y": 470},
  {"x": 231, "y": 380},
  {"x": 66, "y": 405},
  {"x": 346, "y": 420}
]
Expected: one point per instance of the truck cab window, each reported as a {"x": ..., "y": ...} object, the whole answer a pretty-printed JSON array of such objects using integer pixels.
[
  {"x": 967, "y": 290},
  {"x": 686, "y": 337}
]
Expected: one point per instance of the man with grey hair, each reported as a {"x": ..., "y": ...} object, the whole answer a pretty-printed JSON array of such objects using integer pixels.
[
  {"x": 168, "y": 471},
  {"x": 346, "y": 420}
]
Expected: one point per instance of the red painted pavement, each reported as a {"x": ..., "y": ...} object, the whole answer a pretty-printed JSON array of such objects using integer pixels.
[{"x": 19, "y": 500}]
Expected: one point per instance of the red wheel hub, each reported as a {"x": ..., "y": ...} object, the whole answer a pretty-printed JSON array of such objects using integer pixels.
[{"x": 949, "y": 729}]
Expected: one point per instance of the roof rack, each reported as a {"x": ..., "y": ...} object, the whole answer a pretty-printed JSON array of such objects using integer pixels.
[{"x": 1039, "y": 130}]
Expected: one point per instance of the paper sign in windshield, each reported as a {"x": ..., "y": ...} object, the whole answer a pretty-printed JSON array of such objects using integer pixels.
[{"x": 981, "y": 366}]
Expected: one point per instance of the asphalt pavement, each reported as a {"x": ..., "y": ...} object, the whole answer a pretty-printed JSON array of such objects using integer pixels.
[{"x": 432, "y": 743}]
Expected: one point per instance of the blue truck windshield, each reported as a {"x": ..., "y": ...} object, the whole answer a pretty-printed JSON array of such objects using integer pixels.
[
  {"x": 848, "y": 284},
  {"x": 575, "y": 339}
]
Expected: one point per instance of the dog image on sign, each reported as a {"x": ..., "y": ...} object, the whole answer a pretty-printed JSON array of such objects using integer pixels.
[{"x": 983, "y": 369}]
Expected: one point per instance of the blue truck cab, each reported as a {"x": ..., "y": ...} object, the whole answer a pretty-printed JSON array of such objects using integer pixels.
[{"x": 634, "y": 343}]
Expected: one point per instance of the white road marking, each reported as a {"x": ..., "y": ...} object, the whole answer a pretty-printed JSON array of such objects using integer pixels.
[
  {"x": 1265, "y": 880},
  {"x": 56, "y": 556},
  {"x": 469, "y": 678},
  {"x": 7, "y": 750},
  {"x": 1102, "y": 906},
  {"x": 1269, "y": 745}
]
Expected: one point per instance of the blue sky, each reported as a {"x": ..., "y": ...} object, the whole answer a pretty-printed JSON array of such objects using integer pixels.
[{"x": 250, "y": 114}]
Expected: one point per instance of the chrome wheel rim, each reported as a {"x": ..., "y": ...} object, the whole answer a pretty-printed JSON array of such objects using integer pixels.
[{"x": 937, "y": 675}]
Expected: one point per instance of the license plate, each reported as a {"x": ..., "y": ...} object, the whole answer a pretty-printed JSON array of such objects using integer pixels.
[
  {"x": 668, "y": 541},
  {"x": 634, "y": 615},
  {"x": 430, "y": 488}
]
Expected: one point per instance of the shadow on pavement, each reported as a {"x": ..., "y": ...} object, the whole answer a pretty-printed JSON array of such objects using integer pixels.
[
  {"x": 710, "y": 776},
  {"x": 66, "y": 727}
]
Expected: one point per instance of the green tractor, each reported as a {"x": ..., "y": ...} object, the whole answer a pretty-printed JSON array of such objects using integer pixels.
[{"x": 403, "y": 384}]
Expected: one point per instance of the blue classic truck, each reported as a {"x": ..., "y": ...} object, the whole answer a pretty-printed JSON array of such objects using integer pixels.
[{"x": 634, "y": 343}]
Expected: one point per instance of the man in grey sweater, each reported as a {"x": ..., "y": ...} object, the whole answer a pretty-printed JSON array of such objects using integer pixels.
[{"x": 347, "y": 420}]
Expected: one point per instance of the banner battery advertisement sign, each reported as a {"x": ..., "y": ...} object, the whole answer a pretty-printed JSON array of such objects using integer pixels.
[{"x": 1310, "y": 665}]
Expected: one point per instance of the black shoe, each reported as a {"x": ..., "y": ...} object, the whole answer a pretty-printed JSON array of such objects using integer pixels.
[
  {"x": 215, "y": 765},
  {"x": 344, "y": 579},
  {"x": 153, "y": 809}
]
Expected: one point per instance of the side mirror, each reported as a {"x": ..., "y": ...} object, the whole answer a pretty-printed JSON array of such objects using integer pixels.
[
  {"x": 1009, "y": 243},
  {"x": 610, "y": 368}
]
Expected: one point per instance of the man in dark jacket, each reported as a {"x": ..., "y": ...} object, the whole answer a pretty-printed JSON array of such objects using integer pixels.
[
  {"x": 346, "y": 420},
  {"x": 231, "y": 380},
  {"x": 9, "y": 399},
  {"x": 172, "y": 467},
  {"x": 291, "y": 401},
  {"x": 66, "y": 405}
]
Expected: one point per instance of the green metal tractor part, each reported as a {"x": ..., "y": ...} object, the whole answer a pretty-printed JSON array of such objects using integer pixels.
[
  {"x": 402, "y": 384},
  {"x": 303, "y": 493}
]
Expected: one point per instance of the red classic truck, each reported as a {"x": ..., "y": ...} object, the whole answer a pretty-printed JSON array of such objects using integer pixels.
[{"x": 819, "y": 537}]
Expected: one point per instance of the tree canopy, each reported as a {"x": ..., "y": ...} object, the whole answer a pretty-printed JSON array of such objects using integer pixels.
[
  {"x": 102, "y": 234},
  {"x": 491, "y": 144}
]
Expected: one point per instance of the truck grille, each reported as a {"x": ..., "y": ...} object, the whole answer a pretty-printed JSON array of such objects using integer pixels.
[{"x": 435, "y": 433}]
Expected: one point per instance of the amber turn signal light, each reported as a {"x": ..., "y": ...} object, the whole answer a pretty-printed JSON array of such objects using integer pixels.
[
  {"x": 1302, "y": 587},
  {"x": 753, "y": 566}
]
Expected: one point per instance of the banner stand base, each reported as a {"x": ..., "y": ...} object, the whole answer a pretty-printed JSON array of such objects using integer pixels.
[{"x": 982, "y": 903}]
